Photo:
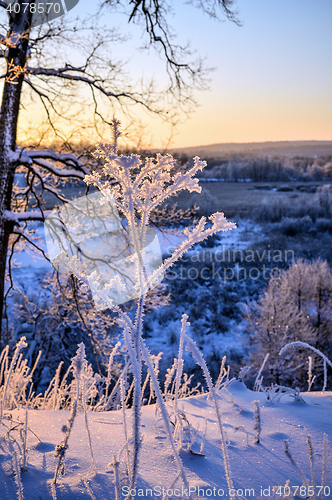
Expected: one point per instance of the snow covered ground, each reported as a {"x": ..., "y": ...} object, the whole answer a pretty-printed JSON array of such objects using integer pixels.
[{"x": 256, "y": 468}]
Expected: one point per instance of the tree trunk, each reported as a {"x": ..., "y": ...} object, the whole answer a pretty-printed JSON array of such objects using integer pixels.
[{"x": 17, "y": 55}]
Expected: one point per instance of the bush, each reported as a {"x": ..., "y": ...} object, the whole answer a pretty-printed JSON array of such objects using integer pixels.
[
  {"x": 285, "y": 189},
  {"x": 54, "y": 319},
  {"x": 323, "y": 201},
  {"x": 294, "y": 307},
  {"x": 291, "y": 226}
]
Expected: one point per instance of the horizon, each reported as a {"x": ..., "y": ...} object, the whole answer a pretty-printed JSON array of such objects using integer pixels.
[
  {"x": 256, "y": 142},
  {"x": 90, "y": 142}
]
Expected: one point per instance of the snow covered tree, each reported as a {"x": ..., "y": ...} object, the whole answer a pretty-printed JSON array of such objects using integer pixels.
[
  {"x": 56, "y": 62},
  {"x": 296, "y": 306}
]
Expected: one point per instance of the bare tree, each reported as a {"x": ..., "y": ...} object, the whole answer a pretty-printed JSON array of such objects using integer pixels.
[
  {"x": 38, "y": 64},
  {"x": 294, "y": 307}
]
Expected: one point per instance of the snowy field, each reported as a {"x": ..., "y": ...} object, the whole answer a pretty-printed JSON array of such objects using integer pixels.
[{"x": 258, "y": 470}]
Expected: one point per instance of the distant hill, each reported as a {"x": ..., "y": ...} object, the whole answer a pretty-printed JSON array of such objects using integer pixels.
[{"x": 284, "y": 148}]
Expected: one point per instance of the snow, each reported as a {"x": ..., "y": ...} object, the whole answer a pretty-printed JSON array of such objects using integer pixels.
[
  {"x": 253, "y": 466},
  {"x": 23, "y": 216},
  {"x": 28, "y": 264}
]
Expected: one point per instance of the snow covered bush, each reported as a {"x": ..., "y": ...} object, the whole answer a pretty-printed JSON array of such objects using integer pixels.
[
  {"x": 296, "y": 306},
  {"x": 276, "y": 209},
  {"x": 323, "y": 201}
]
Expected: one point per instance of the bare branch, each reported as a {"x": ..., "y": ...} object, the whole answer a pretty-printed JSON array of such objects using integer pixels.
[
  {"x": 34, "y": 88},
  {"x": 10, "y": 274},
  {"x": 62, "y": 73},
  {"x": 47, "y": 187},
  {"x": 95, "y": 83},
  {"x": 4, "y": 40},
  {"x": 152, "y": 16},
  {"x": 18, "y": 217},
  {"x": 27, "y": 157},
  {"x": 25, "y": 236},
  {"x": 57, "y": 171},
  {"x": 65, "y": 158},
  {"x": 214, "y": 7}
]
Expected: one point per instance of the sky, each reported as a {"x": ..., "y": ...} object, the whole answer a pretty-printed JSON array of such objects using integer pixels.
[{"x": 272, "y": 79}]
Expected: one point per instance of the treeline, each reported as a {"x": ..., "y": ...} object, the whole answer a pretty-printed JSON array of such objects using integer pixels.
[
  {"x": 239, "y": 167},
  {"x": 242, "y": 168}
]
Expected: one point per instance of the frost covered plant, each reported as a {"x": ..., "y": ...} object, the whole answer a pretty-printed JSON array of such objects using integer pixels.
[
  {"x": 197, "y": 355},
  {"x": 259, "y": 378},
  {"x": 275, "y": 393},
  {"x": 258, "y": 422},
  {"x": 310, "y": 488},
  {"x": 224, "y": 373},
  {"x": 311, "y": 377},
  {"x": 82, "y": 378},
  {"x": 293, "y": 462},
  {"x": 13, "y": 442},
  {"x": 311, "y": 459},
  {"x": 19, "y": 347},
  {"x": 317, "y": 351},
  {"x": 130, "y": 191},
  {"x": 15, "y": 378}
]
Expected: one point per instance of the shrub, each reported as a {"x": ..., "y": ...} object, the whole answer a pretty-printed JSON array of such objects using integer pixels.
[
  {"x": 291, "y": 226},
  {"x": 323, "y": 201},
  {"x": 55, "y": 318},
  {"x": 294, "y": 307}
]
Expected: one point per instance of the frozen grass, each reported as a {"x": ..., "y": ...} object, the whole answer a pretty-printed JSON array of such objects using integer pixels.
[{"x": 30, "y": 435}]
